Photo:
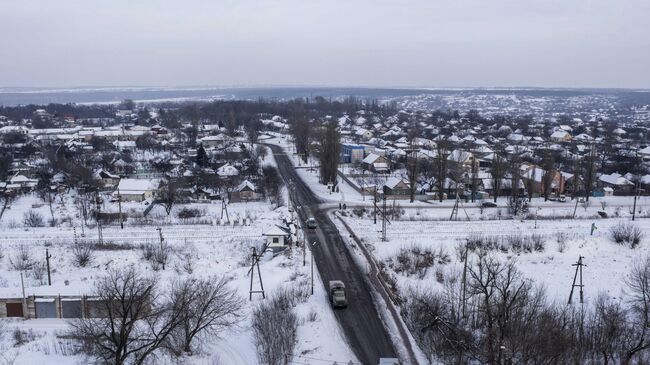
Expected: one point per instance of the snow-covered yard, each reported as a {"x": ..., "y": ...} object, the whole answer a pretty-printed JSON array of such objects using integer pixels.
[{"x": 563, "y": 240}]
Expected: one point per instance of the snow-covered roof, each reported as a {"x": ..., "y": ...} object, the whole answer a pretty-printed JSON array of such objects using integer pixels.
[
  {"x": 137, "y": 186},
  {"x": 615, "y": 179}
]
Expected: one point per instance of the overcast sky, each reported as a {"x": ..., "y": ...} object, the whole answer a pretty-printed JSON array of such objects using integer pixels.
[{"x": 434, "y": 43}]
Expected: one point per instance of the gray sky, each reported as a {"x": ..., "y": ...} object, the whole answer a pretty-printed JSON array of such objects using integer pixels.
[{"x": 565, "y": 43}]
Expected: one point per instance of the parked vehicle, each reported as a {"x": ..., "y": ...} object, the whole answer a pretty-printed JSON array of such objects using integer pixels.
[
  {"x": 337, "y": 294},
  {"x": 489, "y": 205},
  {"x": 311, "y": 223},
  {"x": 562, "y": 198}
]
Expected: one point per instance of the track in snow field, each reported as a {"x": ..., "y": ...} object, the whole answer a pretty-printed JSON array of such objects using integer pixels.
[{"x": 361, "y": 323}]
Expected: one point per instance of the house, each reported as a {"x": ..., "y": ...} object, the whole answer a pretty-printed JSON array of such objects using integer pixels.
[
  {"x": 645, "y": 153},
  {"x": 21, "y": 183},
  {"x": 376, "y": 163},
  {"x": 246, "y": 191},
  {"x": 277, "y": 238},
  {"x": 125, "y": 146},
  {"x": 214, "y": 141},
  {"x": 106, "y": 178},
  {"x": 363, "y": 134},
  {"x": 533, "y": 177},
  {"x": 137, "y": 189},
  {"x": 617, "y": 182},
  {"x": 395, "y": 186},
  {"x": 461, "y": 161},
  {"x": 227, "y": 170},
  {"x": 560, "y": 136}
]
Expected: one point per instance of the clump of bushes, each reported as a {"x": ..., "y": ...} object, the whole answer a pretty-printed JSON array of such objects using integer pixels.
[
  {"x": 515, "y": 243},
  {"x": 32, "y": 218},
  {"x": 187, "y": 213},
  {"x": 626, "y": 234},
  {"x": 416, "y": 260}
]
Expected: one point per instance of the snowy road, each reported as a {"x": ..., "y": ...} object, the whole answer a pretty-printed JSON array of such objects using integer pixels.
[{"x": 360, "y": 322}]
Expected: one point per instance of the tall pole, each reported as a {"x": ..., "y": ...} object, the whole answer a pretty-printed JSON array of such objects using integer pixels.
[
  {"x": 119, "y": 204},
  {"x": 311, "y": 251},
  {"x": 162, "y": 250},
  {"x": 636, "y": 192},
  {"x": 98, "y": 201},
  {"x": 47, "y": 263},
  {"x": 22, "y": 284}
]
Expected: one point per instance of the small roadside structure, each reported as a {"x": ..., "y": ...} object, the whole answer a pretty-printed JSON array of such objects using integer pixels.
[{"x": 277, "y": 238}]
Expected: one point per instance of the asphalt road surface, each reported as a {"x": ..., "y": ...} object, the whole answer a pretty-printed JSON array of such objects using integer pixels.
[{"x": 360, "y": 321}]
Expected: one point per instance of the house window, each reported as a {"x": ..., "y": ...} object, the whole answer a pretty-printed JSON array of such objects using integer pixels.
[{"x": 276, "y": 240}]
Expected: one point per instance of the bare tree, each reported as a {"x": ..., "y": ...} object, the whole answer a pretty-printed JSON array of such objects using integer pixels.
[
  {"x": 330, "y": 153},
  {"x": 133, "y": 322},
  {"x": 168, "y": 195},
  {"x": 441, "y": 167},
  {"x": 261, "y": 152},
  {"x": 498, "y": 172},
  {"x": 209, "y": 306},
  {"x": 300, "y": 129},
  {"x": 588, "y": 170},
  {"x": 274, "y": 330}
]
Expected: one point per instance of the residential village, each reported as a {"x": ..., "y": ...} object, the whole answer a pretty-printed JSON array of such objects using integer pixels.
[{"x": 196, "y": 186}]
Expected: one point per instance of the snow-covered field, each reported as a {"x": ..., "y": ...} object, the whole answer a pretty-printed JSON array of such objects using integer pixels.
[{"x": 564, "y": 241}]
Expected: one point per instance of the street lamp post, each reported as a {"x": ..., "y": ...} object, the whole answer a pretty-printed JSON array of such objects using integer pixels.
[{"x": 311, "y": 251}]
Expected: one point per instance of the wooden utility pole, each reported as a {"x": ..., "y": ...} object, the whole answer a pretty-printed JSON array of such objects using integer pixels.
[
  {"x": 384, "y": 220},
  {"x": 22, "y": 284},
  {"x": 119, "y": 204},
  {"x": 311, "y": 251},
  {"x": 375, "y": 206},
  {"x": 162, "y": 249},
  {"x": 100, "y": 237},
  {"x": 578, "y": 266},
  {"x": 47, "y": 263},
  {"x": 224, "y": 208},
  {"x": 464, "y": 297},
  {"x": 637, "y": 190},
  {"x": 255, "y": 261}
]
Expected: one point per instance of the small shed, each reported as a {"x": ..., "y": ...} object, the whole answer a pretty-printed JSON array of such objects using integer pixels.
[{"x": 277, "y": 238}]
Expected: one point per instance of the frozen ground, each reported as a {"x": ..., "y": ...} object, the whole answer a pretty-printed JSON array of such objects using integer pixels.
[
  {"x": 564, "y": 240},
  {"x": 212, "y": 248}
]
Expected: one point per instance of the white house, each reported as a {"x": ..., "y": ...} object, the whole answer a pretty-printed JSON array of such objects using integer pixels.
[
  {"x": 137, "y": 189},
  {"x": 277, "y": 238}
]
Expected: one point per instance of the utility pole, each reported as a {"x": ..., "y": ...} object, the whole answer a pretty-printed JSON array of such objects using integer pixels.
[
  {"x": 375, "y": 206},
  {"x": 224, "y": 208},
  {"x": 578, "y": 266},
  {"x": 383, "y": 221},
  {"x": 22, "y": 284},
  {"x": 636, "y": 193},
  {"x": 255, "y": 261},
  {"x": 47, "y": 263},
  {"x": 98, "y": 201},
  {"x": 119, "y": 204},
  {"x": 464, "y": 297},
  {"x": 162, "y": 250},
  {"x": 311, "y": 251}
]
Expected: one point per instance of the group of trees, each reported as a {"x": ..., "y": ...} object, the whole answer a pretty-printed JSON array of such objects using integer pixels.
[
  {"x": 497, "y": 317},
  {"x": 134, "y": 320}
]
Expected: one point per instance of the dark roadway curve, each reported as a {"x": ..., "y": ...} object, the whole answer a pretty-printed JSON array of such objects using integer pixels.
[{"x": 360, "y": 321}]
